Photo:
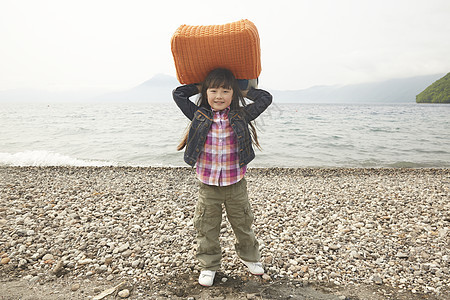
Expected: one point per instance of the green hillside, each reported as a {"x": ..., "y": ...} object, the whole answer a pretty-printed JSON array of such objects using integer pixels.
[{"x": 438, "y": 92}]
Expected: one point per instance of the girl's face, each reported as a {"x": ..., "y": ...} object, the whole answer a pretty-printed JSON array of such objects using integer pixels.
[{"x": 219, "y": 98}]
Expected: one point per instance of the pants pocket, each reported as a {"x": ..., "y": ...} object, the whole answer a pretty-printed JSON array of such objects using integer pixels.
[
  {"x": 199, "y": 218},
  {"x": 248, "y": 217},
  {"x": 241, "y": 219}
]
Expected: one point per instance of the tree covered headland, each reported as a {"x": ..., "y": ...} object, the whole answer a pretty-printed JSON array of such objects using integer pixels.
[{"x": 438, "y": 92}]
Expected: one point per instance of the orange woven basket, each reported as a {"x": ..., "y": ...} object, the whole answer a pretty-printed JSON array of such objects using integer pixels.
[{"x": 199, "y": 49}]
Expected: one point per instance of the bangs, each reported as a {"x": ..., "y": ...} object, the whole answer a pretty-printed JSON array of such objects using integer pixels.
[
  {"x": 220, "y": 78},
  {"x": 220, "y": 83}
]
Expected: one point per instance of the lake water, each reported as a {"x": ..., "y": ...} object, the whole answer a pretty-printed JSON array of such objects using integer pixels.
[{"x": 291, "y": 135}]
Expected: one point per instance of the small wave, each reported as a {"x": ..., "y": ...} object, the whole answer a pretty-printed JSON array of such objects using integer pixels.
[
  {"x": 409, "y": 164},
  {"x": 46, "y": 158}
]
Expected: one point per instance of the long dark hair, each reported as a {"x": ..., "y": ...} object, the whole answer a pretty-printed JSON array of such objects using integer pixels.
[{"x": 222, "y": 78}]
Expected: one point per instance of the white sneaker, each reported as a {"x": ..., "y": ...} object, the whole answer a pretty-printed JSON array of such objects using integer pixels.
[
  {"x": 256, "y": 268},
  {"x": 206, "y": 278}
]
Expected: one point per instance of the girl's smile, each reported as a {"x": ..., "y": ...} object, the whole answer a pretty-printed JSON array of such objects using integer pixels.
[{"x": 219, "y": 98}]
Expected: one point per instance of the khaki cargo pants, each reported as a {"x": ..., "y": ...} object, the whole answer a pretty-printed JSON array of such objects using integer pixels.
[{"x": 208, "y": 218}]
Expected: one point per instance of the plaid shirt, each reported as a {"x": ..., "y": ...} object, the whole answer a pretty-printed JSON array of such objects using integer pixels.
[{"x": 218, "y": 163}]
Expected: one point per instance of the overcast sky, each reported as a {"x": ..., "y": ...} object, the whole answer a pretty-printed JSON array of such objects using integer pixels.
[{"x": 116, "y": 45}]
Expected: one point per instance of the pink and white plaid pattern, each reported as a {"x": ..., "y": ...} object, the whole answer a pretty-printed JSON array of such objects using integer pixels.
[{"x": 218, "y": 163}]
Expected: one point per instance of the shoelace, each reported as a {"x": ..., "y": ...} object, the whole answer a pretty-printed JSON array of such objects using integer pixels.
[{"x": 206, "y": 275}]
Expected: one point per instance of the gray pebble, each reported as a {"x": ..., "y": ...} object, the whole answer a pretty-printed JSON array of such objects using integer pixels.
[{"x": 326, "y": 225}]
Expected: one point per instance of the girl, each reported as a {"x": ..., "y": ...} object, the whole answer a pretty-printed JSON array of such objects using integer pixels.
[{"x": 219, "y": 143}]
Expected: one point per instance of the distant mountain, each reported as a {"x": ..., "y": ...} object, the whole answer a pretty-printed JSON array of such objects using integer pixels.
[
  {"x": 438, "y": 92},
  {"x": 390, "y": 91},
  {"x": 159, "y": 89}
]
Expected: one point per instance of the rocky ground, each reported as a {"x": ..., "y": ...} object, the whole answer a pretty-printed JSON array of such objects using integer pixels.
[{"x": 109, "y": 232}]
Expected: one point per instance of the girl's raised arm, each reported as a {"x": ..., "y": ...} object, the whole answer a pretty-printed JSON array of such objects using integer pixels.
[
  {"x": 261, "y": 100},
  {"x": 181, "y": 96}
]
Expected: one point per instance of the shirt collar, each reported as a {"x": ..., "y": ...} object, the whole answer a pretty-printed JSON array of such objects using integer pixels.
[{"x": 221, "y": 112}]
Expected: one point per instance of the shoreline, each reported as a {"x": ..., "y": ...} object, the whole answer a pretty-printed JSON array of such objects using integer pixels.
[{"x": 384, "y": 230}]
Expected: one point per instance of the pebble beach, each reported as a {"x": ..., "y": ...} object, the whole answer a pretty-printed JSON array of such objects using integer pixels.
[{"x": 341, "y": 227}]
